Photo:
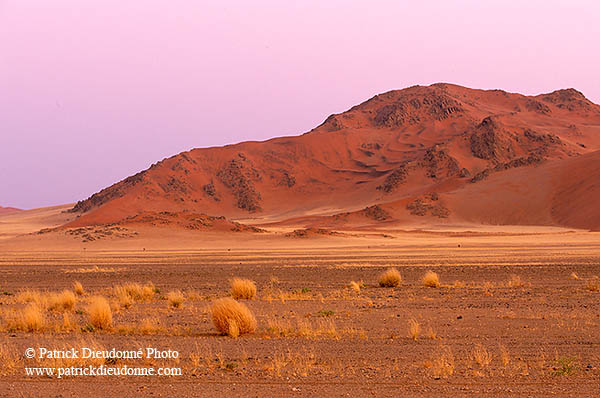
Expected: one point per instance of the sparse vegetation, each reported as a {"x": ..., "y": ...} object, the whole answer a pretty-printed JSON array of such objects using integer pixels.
[
  {"x": 574, "y": 276},
  {"x": 431, "y": 334},
  {"x": 593, "y": 284},
  {"x": 130, "y": 293},
  {"x": 515, "y": 281},
  {"x": 100, "y": 314},
  {"x": 390, "y": 278},
  {"x": 431, "y": 279},
  {"x": 354, "y": 286},
  {"x": 243, "y": 289},
  {"x": 232, "y": 318},
  {"x": 482, "y": 357},
  {"x": 31, "y": 319},
  {"x": 441, "y": 363},
  {"x": 175, "y": 298},
  {"x": 64, "y": 301},
  {"x": 566, "y": 366},
  {"x": 78, "y": 288},
  {"x": 326, "y": 313},
  {"x": 414, "y": 329}
]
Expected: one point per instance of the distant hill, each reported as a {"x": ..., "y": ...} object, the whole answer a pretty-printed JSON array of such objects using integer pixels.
[
  {"x": 8, "y": 210},
  {"x": 441, "y": 153}
]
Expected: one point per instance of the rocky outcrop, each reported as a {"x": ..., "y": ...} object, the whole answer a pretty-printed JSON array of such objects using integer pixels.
[
  {"x": 113, "y": 192},
  {"x": 375, "y": 213},
  {"x": 238, "y": 175},
  {"x": 488, "y": 141},
  {"x": 423, "y": 206},
  {"x": 394, "y": 179}
]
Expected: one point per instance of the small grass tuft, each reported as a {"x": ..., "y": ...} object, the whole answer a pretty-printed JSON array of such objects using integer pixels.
[
  {"x": 78, "y": 288},
  {"x": 64, "y": 301},
  {"x": 354, "y": 286},
  {"x": 442, "y": 363},
  {"x": 175, "y": 298},
  {"x": 515, "y": 281},
  {"x": 566, "y": 366},
  {"x": 593, "y": 284},
  {"x": 414, "y": 329},
  {"x": 31, "y": 319},
  {"x": 243, "y": 289},
  {"x": 390, "y": 278},
  {"x": 100, "y": 313},
  {"x": 232, "y": 318},
  {"x": 431, "y": 279},
  {"x": 574, "y": 276}
]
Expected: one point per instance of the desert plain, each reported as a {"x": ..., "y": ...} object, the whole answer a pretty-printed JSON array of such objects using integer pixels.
[{"x": 515, "y": 312}]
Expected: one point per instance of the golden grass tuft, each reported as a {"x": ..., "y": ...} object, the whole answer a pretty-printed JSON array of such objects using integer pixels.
[
  {"x": 355, "y": 286},
  {"x": 431, "y": 279},
  {"x": 78, "y": 288},
  {"x": 243, "y": 289},
  {"x": 481, "y": 356},
  {"x": 442, "y": 363},
  {"x": 232, "y": 318},
  {"x": 129, "y": 293},
  {"x": 31, "y": 319},
  {"x": 515, "y": 281},
  {"x": 100, "y": 313},
  {"x": 414, "y": 329},
  {"x": 431, "y": 334},
  {"x": 390, "y": 278},
  {"x": 63, "y": 301},
  {"x": 459, "y": 285},
  {"x": 32, "y": 296},
  {"x": 175, "y": 298},
  {"x": 574, "y": 276},
  {"x": 593, "y": 284}
]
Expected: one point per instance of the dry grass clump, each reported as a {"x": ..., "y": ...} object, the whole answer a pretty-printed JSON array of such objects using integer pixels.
[
  {"x": 146, "y": 326},
  {"x": 129, "y": 293},
  {"x": 63, "y": 301},
  {"x": 515, "y": 281},
  {"x": 574, "y": 276},
  {"x": 481, "y": 356},
  {"x": 31, "y": 319},
  {"x": 431, "y": 334},
  {"x": 175, "y": 298},
  {"x": 431, "y": 279},
  {"x": 243, "y": 289},
  {"x": 232, "y": 318},
  {"x": 390, "y": 278},
  {"x": 414, "y": 329},
  {"x": 441, "y": 363},
  {"x": 100, "y": 313},
  {"x": 355, "y": 286},
  {"x": 78, "y": 288},
  {"x": 322, "y": 328},
  {"x": 593, "y": 284},
  {"x": 32, "y": 296},
  {"x": 123, "y": 298}
]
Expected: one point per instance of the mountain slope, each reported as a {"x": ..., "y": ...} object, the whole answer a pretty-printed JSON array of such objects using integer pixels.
[{"x": 395, "y": 147}]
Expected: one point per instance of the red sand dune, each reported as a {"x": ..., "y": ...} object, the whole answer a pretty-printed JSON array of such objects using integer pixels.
[{"x": 441, "y": 152}]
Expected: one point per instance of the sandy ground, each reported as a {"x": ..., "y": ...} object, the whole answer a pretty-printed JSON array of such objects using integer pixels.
[{"x": 513, "y": 316}]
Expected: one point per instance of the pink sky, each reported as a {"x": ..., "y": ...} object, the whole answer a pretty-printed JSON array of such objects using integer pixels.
[{"x": 94, "y": 91}]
